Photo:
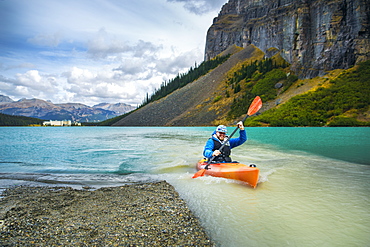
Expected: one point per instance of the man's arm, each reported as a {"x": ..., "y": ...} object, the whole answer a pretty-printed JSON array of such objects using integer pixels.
[
  {"x": 207, "y": 152},
  {"x": 234, "y": 142}
]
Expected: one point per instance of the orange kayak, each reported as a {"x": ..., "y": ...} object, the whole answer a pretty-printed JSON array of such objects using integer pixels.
[{"x": 235, "y": 171}]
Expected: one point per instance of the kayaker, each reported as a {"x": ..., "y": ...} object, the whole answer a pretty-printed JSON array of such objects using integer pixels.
[{"x": 218, "y": 138}]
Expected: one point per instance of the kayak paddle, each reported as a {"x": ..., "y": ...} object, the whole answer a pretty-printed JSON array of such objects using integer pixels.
[{"x": 253, "y": 108}]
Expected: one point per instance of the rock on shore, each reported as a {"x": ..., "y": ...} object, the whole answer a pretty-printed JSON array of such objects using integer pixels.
[{"x": 131, "y": 215}]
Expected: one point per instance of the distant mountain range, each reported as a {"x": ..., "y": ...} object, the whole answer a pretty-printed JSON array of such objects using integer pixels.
[{"x": 46, "y": 110}]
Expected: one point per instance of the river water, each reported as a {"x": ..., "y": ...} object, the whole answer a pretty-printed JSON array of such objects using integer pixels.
[{"x": 314, "y": 187}]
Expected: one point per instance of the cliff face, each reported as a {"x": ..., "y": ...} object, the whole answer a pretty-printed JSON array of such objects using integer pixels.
[{"x": 313, "y": 35}]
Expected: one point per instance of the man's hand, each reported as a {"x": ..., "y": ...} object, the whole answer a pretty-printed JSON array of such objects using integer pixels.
[
  {"x": 240, "y": 125},
  {"x": 216, "y": 153}
]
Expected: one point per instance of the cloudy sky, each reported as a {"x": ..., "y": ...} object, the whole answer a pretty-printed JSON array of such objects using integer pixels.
[{"x": 94, "y": 51}]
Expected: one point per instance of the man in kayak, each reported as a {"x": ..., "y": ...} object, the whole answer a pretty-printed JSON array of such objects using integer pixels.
[{"x": 218, "y": 138}]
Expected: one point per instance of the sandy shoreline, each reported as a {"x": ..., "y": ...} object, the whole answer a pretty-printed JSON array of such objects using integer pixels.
[{"x": 130, "y": 215}]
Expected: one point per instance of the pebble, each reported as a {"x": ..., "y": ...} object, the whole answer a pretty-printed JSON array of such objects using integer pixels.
[{"x": 130, "y": 215}]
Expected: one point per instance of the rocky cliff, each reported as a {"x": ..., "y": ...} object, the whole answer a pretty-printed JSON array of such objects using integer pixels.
[{"x": 313, "y": 35}]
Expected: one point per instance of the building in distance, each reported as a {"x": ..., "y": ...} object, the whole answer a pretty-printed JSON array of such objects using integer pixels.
[{"x": 60, "y": 123}]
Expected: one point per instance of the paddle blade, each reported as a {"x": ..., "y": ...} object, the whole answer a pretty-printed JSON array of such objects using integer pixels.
[
  {"x": 255, "y": 106},
  {"x": 199, "y": 173}
]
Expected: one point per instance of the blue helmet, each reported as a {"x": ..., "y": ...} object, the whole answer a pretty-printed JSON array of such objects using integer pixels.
[{"x": 221, "y": 128}]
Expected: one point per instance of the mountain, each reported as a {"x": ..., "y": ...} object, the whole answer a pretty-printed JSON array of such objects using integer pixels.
[
  {"x": 307, "y": 59},
  {"x": 314, "y": 36},
  {"x": 118, "y": 108},
  {"x": 5, "y": 99},
  {"x": 46, "y": 110}
]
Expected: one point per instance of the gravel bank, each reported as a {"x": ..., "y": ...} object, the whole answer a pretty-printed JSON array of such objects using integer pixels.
[{"x": 131, "y": 215}]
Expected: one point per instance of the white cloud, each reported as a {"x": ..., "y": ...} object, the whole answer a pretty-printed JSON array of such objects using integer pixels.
[
  {"x": 30, "y": 78},
  {"x": 200, "y": 7},
  {"x": 92, "y": 51},
  {"x": 51, "y": 40},
  {"x": 33, "y": 80},
  {"x": 17, "y": 66},
  {"x": 30, "y": 84},
  {"x": 105, "y": 45},
  {"x": 105, "y": 84}
]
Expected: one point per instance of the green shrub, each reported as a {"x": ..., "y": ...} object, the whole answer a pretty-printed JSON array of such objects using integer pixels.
[
  {"x": 348, "y": 91},
  {"x": 290, "y": 80},
  {"x": 344, "y": 121},
  {"x": 217, "y": 98},
  {"x": 265, "y": 87},
  {"x": 237, "y": 88}
]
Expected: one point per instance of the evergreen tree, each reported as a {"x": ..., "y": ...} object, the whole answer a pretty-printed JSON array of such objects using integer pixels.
[{"x": 182, "y": 80}]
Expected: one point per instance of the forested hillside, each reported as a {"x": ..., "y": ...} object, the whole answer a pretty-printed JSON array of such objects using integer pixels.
[
  {"x": 344, "y": 101},
  {"x": 7, "y": 120},
  {"x": 182, "y": 80}
]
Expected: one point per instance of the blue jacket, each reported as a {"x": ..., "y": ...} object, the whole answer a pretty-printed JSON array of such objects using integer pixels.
[{"x": 233, "y": 142}]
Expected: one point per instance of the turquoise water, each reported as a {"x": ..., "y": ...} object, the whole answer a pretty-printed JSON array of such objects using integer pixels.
[
  {"x": 313, "y": 189},
  {"x": 347, "y": 144}
]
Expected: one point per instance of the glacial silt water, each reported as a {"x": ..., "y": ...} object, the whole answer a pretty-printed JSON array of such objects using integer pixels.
[{"x": 314, "y": 184}]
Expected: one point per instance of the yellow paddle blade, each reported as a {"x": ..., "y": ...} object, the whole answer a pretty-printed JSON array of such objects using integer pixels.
[
  {"x": 255, "y": 106},
  {"x": 199, "y": 173}
]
